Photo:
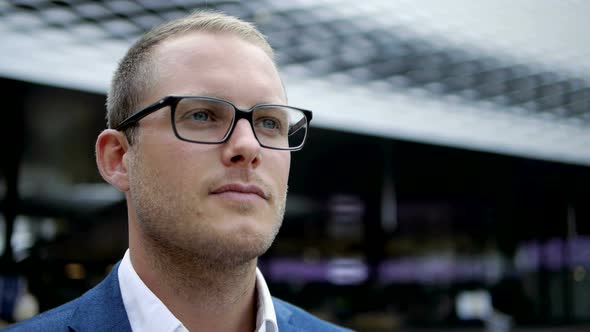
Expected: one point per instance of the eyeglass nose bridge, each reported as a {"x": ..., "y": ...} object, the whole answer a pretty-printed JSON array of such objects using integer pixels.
[{"x": 238, "y": 115}]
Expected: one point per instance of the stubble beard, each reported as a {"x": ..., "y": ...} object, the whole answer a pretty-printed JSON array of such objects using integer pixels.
[{"x": 176, "y": 229}]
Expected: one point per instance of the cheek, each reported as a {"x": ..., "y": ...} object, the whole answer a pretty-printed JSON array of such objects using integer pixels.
[
  {"x": 281, "y": 167},
  {"x": 182, "y": 158}
]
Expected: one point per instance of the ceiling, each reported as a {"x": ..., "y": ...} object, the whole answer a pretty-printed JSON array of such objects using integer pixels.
[{"x": 502, "y": 76}]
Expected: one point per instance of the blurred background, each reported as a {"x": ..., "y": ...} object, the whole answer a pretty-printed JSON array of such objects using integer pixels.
[{"x": 445, "y": 185}]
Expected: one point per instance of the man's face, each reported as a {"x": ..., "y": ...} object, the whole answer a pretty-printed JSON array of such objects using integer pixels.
[{"x": 189, "y": 197}]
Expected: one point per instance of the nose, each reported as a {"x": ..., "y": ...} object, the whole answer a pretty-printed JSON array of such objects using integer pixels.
[{"x": 242, "y": 148}]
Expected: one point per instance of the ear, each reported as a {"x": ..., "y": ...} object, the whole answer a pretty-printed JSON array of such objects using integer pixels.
[{"x": 111, "y": 150}]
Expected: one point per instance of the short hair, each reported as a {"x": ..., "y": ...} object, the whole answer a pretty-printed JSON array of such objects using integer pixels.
[{"x": 133, "y": 77}]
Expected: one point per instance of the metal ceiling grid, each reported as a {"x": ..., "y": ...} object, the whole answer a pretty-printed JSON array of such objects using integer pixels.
[{"x": 373, "y": 43}]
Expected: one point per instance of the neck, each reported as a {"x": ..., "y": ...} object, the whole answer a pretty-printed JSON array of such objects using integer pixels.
[{"x": 204, "y": 296}]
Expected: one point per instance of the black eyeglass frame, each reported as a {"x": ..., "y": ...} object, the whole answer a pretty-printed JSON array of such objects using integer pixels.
[{"x": 172, "y": 101}]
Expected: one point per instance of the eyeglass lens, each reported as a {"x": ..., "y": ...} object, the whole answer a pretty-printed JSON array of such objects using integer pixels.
[{"x": 208, "y": 121}]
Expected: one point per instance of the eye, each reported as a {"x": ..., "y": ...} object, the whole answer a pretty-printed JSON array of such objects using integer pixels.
[
  {"x": 270, "y": 123},
  {"x": 200, "y": 115}
]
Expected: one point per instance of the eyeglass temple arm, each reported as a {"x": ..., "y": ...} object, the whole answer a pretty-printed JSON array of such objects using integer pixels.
[
  {"x": 132, "y": 119},
  {"x": 295, "y": 128}
]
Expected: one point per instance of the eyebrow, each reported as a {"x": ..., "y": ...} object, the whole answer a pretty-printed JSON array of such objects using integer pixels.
[
  {"x": 207, "y": 94},
  {"x": 225, "y": 97}
]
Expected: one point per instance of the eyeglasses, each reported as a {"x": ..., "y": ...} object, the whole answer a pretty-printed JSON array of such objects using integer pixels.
[{"x": 211, "y": 120}]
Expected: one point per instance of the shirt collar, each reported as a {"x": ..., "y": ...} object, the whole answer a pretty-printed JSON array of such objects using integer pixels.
[
  {"x": 144, "y": 309},
  {"x": 266, "y": 318},
  {"x": 147, "y": 313}
]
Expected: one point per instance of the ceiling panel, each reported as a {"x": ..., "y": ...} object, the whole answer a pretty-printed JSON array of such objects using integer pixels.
[{"x": 500, "y": 76}]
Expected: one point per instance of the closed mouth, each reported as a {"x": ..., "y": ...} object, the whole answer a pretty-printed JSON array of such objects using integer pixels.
[{"x": 240, "y": 188}]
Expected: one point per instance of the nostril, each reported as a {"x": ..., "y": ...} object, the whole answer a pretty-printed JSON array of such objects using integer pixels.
[{"x": 237, "y": 158}]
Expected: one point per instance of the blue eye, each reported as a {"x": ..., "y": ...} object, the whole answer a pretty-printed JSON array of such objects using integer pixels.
[
  {"x": 270, "y": 124},
  {"x": 200, "y": 116}
]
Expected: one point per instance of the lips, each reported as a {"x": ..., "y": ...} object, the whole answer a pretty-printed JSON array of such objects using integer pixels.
[{"x": 240, "y": 188}]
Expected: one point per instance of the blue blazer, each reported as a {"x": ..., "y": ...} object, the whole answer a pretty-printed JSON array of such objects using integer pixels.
[{"x": 101, "y": 309}]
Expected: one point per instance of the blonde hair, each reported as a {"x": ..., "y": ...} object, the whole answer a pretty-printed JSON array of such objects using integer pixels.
[{"x": 134, "y": 75}]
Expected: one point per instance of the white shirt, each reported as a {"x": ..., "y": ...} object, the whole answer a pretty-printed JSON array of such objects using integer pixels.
[{"x": 147, "y": 313}]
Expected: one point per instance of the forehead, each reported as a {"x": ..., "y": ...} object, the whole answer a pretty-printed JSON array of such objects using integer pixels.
[{"x": 217, "y": 64}]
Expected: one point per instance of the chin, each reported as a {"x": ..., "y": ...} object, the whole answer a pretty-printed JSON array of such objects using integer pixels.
[
  {"x": 236, "y": 250},
  {"x": 246, "y": 241},
  {"x": 250, "y": 236},
  {"x": 224, "y": 244}
]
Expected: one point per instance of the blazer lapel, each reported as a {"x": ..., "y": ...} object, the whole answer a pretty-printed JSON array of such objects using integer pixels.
[
  {"x": 101, "y": 309},
  {"x": 284, "y": 316}
]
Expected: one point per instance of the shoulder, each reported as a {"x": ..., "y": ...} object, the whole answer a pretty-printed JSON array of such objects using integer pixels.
[
  {"x": 99, "y": 309},
  {"x": 301, "y": 319},
  {"x": 55, "y": 319}
]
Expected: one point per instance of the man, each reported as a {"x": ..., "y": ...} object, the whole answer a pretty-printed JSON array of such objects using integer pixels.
[{"x": 205, "y": 183}]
